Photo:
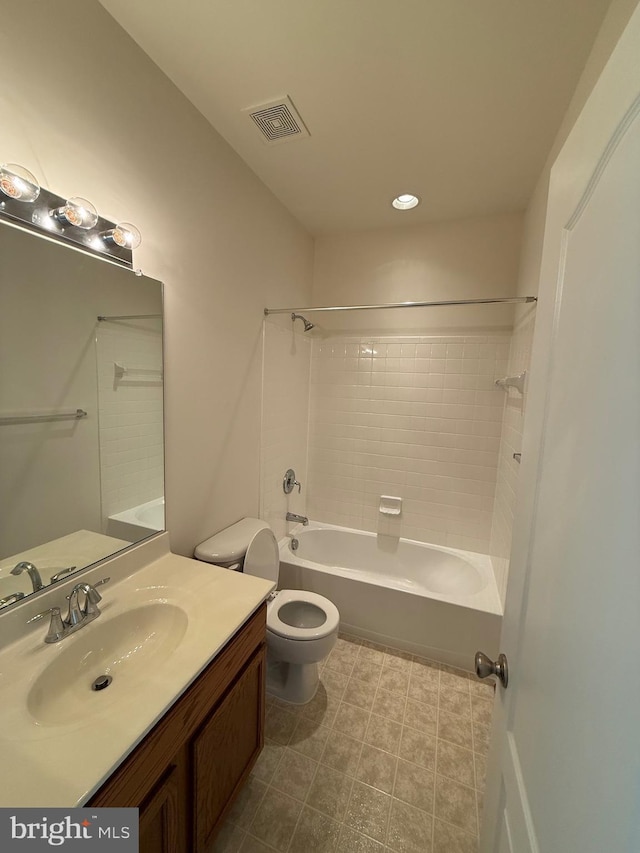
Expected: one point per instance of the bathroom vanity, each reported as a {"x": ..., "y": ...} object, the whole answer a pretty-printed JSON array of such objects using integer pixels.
[
  {"x": 185, "y": 773},
  {"x": 179, "y": 727}
]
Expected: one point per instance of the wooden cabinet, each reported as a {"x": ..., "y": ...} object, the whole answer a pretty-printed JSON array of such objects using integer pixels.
[
  {"x": 225, "y": 745},
  {"x": 160, "y": 816},
  {"x": 188, "y": 770}
]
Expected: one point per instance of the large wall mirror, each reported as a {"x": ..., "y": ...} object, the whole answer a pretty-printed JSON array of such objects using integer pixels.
[{"x": 81, "y": 411}]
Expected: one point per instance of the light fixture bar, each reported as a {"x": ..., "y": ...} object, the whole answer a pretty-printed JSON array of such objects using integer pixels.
[
  {"x": 500, "y": 300},
  {"x": 36, "y": 216}
]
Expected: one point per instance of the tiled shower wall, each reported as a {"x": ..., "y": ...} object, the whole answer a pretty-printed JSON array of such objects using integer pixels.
[
  {"x": 508, "y": 468},
  {"x": 417, "y": 417},
  {"x": 285, "y": 422},
  {"x": 130, "y": 408}
]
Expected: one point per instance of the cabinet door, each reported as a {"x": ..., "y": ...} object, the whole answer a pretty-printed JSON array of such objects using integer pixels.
[
  {"x": 226, "y": 748},
  {"x": 160, "y": 826}
]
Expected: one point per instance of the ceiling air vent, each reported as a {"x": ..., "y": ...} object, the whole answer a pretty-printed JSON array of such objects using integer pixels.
[{"x": 278, "y": 121}]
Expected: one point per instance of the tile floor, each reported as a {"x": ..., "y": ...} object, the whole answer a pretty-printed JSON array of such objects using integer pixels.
[{"x": 389, "y": 756}]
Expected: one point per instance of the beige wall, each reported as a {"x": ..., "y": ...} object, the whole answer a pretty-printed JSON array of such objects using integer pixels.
[
  {"x": 91, "y": 115},
  {"x": 533, "y": 233},
  {"x": 470, "y": 258}
]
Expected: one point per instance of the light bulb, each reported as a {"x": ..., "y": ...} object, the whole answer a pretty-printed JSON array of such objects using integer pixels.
[
  {"x": 18, "y": 183},
  {"x": 78, "y": 212},
  {"x": 126, "y": 236},
  {"x": 405, "y": 201}
]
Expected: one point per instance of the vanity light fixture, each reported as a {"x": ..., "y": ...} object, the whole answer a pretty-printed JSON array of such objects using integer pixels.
[
  {"x": 18, "y": 183},
  {"x": 78, "y": 212},
  {"x": 125, "y": 235},
  {"x": 405, "y": 201},
  {"x": 73, "y": 221}
]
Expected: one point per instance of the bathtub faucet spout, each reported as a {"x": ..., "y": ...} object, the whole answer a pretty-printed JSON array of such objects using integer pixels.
[{"x": 301, "y": 519}]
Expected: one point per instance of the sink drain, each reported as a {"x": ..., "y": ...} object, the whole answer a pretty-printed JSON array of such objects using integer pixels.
[{"x": 101, "y": 682}]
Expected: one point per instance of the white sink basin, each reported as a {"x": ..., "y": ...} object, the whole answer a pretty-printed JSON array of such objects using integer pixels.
[
  {"x": 128, "y": 647},
  {"x": 162, "y": 622}
]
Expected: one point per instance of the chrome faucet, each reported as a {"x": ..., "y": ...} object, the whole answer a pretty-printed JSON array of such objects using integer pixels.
[
  {"x": 78, "y": 614},
  {"x": 11, "y": 599},
  {"x": 301, "y": 519},
  {"x": 61, "y": 573},
  {"x": 91, "y": 599},
  {"x": 30, "y": 569},
  {"x": 75, "y": 614}
]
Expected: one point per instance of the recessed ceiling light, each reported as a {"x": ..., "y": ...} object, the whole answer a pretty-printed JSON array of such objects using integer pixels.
[{"x": 405, "y": 201}]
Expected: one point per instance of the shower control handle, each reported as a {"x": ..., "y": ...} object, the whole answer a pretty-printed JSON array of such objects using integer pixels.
[
  {"x": 289, "y": 482},
  {"x": 486, "y": 667}
]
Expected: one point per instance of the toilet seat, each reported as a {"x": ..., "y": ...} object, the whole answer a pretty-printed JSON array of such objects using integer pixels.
[
  {"x": 291, "y": 596},
  {"x": 262, "y": 559}
]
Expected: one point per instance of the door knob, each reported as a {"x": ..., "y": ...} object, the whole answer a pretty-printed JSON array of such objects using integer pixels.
[{"x": 485, "y": 667}]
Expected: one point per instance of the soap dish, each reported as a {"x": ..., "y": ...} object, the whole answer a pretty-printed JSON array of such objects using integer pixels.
[{"x": 390, "y": 505}]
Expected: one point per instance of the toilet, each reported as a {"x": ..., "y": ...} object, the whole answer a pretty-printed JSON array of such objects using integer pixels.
[{"x": 302, "y": 627}]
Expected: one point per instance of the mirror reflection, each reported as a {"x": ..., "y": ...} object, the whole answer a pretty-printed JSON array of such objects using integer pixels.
[{"x": 81, "y": 411}]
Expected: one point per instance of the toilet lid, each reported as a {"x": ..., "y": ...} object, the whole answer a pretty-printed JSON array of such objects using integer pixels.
[
  {"x": 262, "y": 559},
  {"x": 296, "y": 613}
]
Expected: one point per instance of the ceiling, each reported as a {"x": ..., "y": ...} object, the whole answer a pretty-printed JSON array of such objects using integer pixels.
[{"x": 456, "y": 101}]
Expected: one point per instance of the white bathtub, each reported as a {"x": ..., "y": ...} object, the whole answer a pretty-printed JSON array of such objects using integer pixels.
[
  {"x": 138, "y": 522},
  {"x": 433, "y": 601}
]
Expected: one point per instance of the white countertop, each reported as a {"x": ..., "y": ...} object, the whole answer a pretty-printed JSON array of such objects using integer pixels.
[
  {"x": 48, "y": 763},
  {"x": 81, "y": 549}
]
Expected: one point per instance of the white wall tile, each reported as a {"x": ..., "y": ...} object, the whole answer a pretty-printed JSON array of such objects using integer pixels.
[
  {"x": 418, "y": 399},
  {"x": 130, "y": 414},
  {"x": 285, "y": 420},
  {"x": 417, "y": 416},
  {"x": 510, "y": 443}
]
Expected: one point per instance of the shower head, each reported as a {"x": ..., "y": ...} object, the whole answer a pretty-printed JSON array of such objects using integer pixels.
[{"x": 307, "y": 325}]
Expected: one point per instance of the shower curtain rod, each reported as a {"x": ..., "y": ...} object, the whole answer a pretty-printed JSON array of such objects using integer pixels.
[{"x": 503, "y": 300}]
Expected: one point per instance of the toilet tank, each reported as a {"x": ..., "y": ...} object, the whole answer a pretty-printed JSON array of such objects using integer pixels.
[{"x": 228, "y": 547}]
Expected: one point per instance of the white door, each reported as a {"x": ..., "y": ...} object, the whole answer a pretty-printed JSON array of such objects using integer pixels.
[{"x": 565, "y": 761}]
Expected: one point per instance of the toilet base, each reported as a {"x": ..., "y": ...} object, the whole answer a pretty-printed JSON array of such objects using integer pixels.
[{"x": 296, "y": 683}]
